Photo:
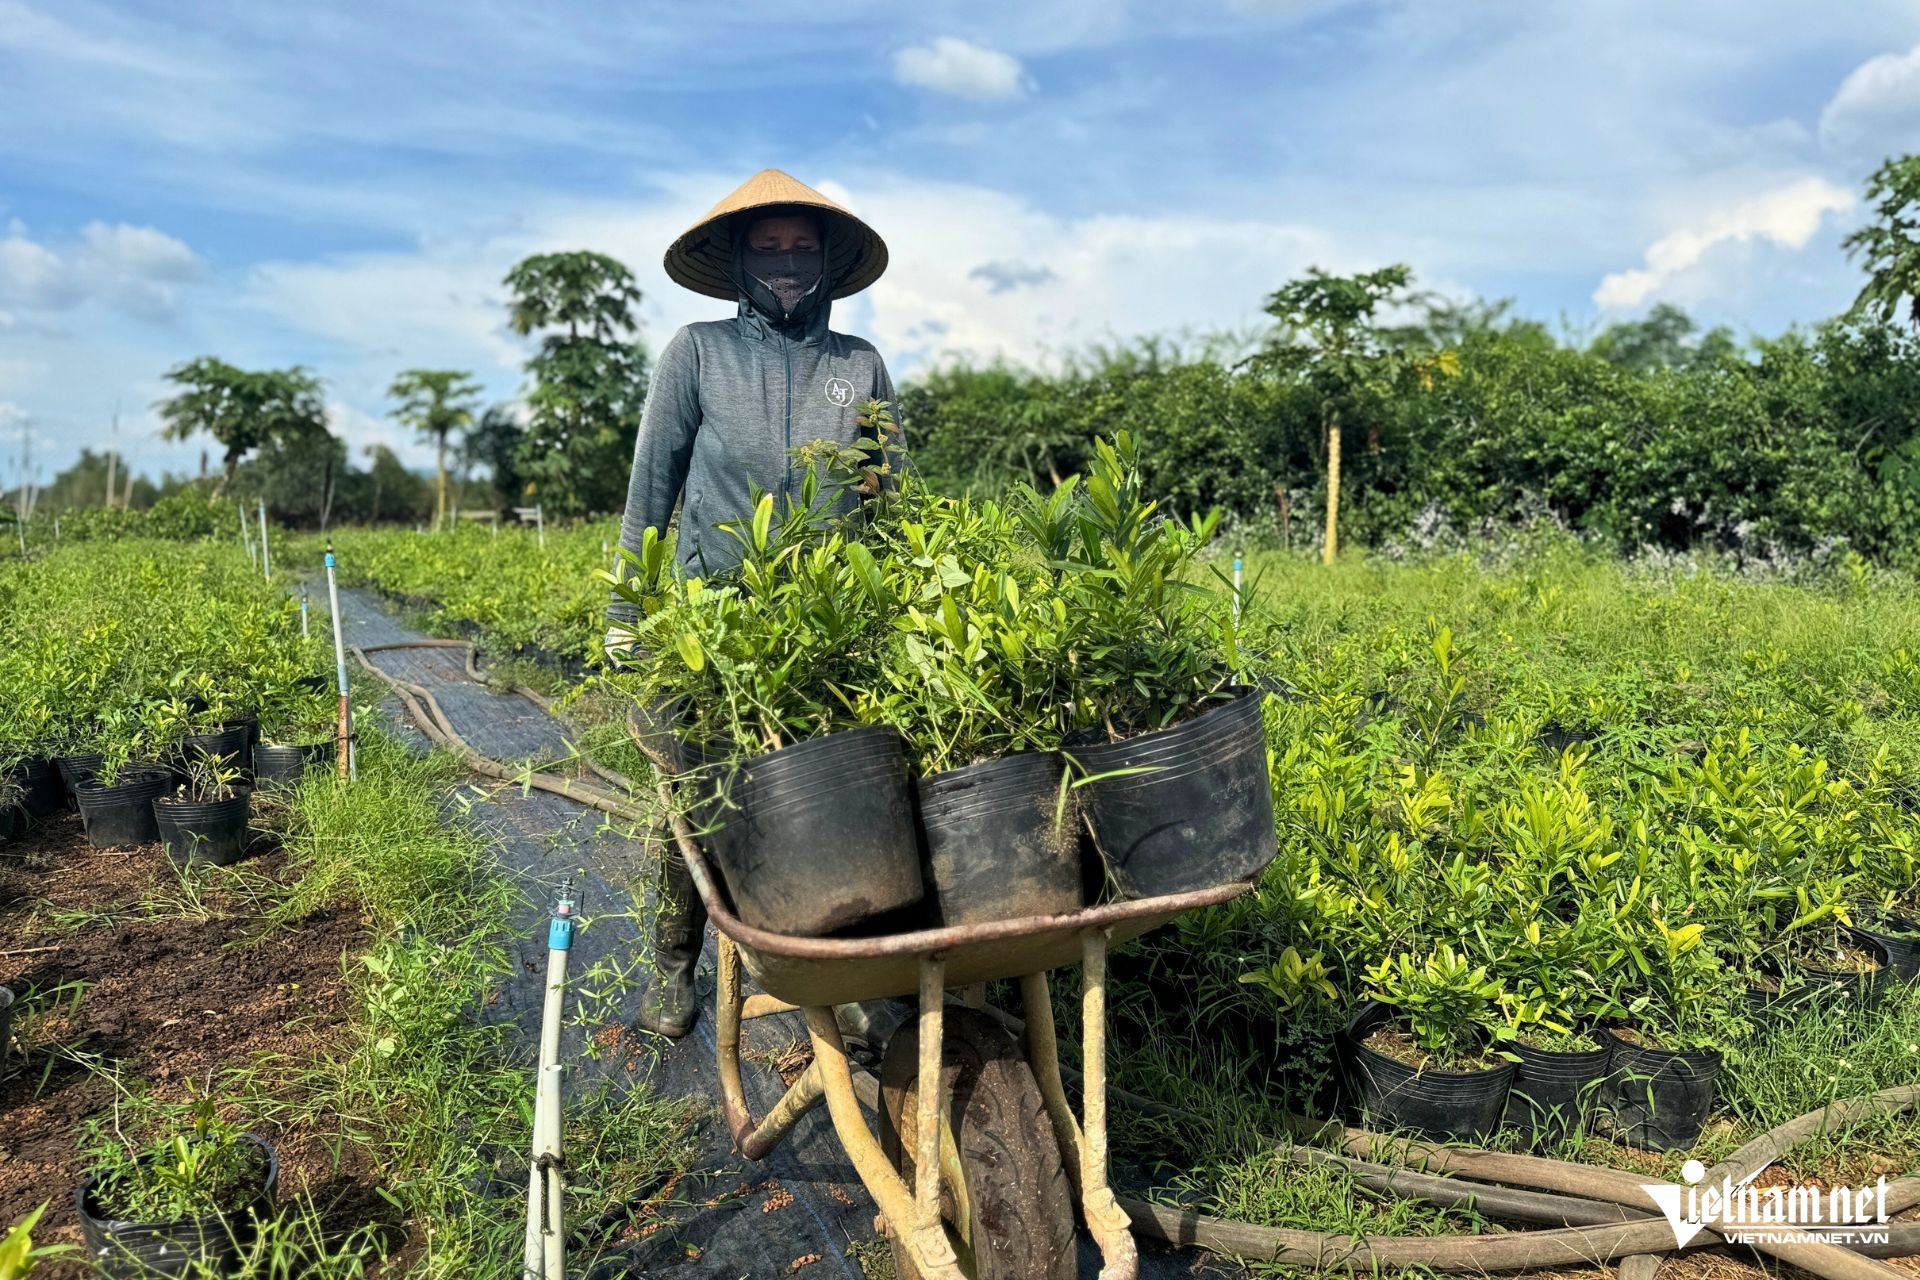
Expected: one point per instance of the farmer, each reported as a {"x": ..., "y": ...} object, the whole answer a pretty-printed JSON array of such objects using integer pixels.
[{"x": 729, "y": 399}]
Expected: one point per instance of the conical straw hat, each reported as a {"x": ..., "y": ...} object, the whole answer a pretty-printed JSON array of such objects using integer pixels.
[{"x": 702, "y": 257}]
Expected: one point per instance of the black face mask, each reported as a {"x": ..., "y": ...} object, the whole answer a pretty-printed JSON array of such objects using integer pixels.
[{"x": 783, "y": 286}]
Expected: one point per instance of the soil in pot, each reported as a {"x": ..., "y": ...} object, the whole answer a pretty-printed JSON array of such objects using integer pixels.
[
  {"x": 818, "y": 836},
  {"x": 281, "y": 765},
  {"x": 1555, "y": 1090},
  {"x": 1000, "y": 845},
  {"x": 1394, "y": 1094},
  {"x": 45, "y": 790},
  {"x": 121, "y": 812},
  {"x": 212, "y": 1244},
  {"x": 1658, "y": 1098},
  {"x": 205, "y": 832},
  {"x": 1901, "y": 939},
  {"x": 1200, "y": 812}
]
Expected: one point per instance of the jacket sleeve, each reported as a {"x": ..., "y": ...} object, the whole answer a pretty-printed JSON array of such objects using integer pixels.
[
  {"x": 883, "y": 390},
  {"x": 662, "y": 450}
]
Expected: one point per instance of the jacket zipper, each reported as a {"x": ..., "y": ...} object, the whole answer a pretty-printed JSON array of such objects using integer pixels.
[{"x": 786, "y": 349}]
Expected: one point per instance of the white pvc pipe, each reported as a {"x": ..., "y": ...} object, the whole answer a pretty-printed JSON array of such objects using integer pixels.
[
  {"x": 266, "y": 557},
  {"x": 340, "y": 668},
  {"x": 545, "y": 1256}
]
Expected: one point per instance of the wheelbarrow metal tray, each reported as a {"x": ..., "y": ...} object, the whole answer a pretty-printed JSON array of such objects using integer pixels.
[{"x": 824, "y": 971}]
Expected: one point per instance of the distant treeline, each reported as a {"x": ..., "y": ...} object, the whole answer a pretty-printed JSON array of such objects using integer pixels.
[{"x": 1651, "y": 435}]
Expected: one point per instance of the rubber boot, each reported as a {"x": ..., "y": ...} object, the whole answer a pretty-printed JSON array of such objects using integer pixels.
[{"x": 671, "y": 1004}]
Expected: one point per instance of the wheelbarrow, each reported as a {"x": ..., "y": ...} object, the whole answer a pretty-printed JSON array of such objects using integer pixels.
[{"x": 996, "y": 1204}]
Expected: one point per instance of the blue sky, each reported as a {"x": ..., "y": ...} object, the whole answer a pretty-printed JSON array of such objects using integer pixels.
[{"x": 342, "y": 186}]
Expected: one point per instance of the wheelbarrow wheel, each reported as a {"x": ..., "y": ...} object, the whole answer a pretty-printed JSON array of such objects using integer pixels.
[{"x": 1011, "y": 1216}]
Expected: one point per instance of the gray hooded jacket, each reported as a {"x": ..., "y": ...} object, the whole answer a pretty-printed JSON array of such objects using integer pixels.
[{"x": 728, "y": 400}]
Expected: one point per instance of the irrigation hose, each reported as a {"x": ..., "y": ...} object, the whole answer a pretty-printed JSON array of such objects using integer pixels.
[{"x": 1594, "y": 1205}]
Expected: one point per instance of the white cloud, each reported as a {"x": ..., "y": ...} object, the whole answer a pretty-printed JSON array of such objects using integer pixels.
[
  {"x": 949, "y": 64},
  {"x": 32, "y": 276},
  {"x": 1083, "y": 280},
  {"x": 1877, "y": 107},
  {"x": 1786, "y": 216},
  {"x": 137, "y": 269}
]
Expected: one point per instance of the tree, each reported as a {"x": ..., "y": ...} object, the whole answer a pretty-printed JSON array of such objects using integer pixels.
[
  {"x": 1891, "y": 246},
  {"x": 296, "y": 476},
  {"x": 435, "y": 403},
  {"x": 589, "y": 378},
  {"x": 240, "y": 409},
  {"x": 494, "y": 443},
  {"x": 1328, "y": 340}
]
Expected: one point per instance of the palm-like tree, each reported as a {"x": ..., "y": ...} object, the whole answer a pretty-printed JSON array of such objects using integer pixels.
[
  {"x": 1891, "y": 246},
  {"x": 435, "y": 403}
]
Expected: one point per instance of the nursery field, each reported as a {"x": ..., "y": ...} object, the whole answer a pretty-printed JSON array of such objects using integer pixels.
[
  {"x": 315, "y": 987},
  {"x": 1616, "y": 862}
]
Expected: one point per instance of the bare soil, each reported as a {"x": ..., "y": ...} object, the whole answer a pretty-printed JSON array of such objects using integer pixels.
[{"x": 160, "y": 992}]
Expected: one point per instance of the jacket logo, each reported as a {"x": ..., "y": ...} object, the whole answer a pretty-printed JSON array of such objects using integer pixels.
[{"x": 839, "y": 392}]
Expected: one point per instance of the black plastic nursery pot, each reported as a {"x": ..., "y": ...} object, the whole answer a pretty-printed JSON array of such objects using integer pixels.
[
  {"x": 45, "y": 792},
  {"x": 213, "y": 1244},
  {"x": 1555, "y": 1092},
  {"x": 205, "y": 832},
  {"x": 1659, "y": 1098},
  {"x": 6, "y": 1030},
  {"x": 279, "y": 765},
  {"x": 1200, "y": 812},
  {"x": 1394, "y": 1096},
  {"x": 121, "y": 812},
  {"x": 313, "y": 684},
  {"x": 818, "y": 836},
  {"x": 1861, "y": 987},
  {"x": 228, "y": 745},
  {"x": 1900, "y": 939},
  {"x": 76, "y": 769},
  {"x": 1000, "y": 845}
]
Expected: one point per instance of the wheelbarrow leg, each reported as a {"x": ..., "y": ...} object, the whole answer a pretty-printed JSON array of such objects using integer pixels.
[
  {"x": 1085, "y": 1152},
  {"x": 726, "y": 1034},
  {"x": 932, "y": 1252}
]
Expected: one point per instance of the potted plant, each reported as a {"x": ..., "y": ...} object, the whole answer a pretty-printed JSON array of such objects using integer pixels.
[
  {"x": 116, "y": 802},
  {"x": 1898, "y": 935},
  {"x": 38, "y": 781},
  {"x": 13, "y": 805},
  {"x": 204, "y": 820},
  {"x": 190, "y": 1193},
  {"x": 297, "y": 732},
  {"x": 1550, "y": 1008},
  {"x": 1667, "y": 1016},
  {"x": 1418, "y": 1053},
  {"x": 199, "y": 726},
  {"x": 1171, "y": 750},
  {"x": 973, "y": 682},
  {"x": 806, "y": 812}
]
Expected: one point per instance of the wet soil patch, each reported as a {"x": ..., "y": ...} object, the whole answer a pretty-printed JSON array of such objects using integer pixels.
[{"x": 120, "y": 973}]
